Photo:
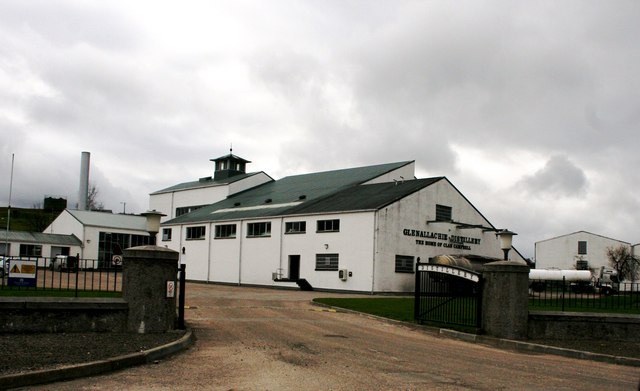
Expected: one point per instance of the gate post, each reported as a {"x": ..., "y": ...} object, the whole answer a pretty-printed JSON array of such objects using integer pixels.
[
  {"x": 505, "y": 299},
  {"x": 148, "y": 272}
]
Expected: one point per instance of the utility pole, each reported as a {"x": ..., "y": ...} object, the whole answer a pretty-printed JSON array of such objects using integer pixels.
[{"x": 6, "y": 243}]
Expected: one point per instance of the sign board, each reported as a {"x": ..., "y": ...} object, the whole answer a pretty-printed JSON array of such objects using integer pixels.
[
  {"x": 22, "y": 273},
  {"x": 171, "y": 289},
  {"x": 428, "y": 267}
]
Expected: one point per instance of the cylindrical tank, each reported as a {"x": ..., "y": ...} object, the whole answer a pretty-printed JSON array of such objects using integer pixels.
[{"x": 557, "y": 275}]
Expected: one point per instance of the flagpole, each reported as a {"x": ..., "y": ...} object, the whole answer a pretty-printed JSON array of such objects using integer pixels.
[{"x": 6, "y": 243}]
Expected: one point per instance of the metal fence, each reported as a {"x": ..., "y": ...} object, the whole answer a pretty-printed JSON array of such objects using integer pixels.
[
  {"x": 447, "y": 295},
  {"x": 69, "y": 273},
  {"x": 578, "y": 296}
]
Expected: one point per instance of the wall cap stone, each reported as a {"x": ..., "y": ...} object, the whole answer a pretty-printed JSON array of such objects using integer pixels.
[{"x": 506, "y": 266}]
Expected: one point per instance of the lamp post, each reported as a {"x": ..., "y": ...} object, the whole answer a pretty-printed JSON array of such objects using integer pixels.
[
  {"x": 153, "y": 224},
  {"x": 506, "y": 238}
]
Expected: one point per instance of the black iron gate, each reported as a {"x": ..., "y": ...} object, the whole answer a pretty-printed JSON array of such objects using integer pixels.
[
  {"x": 447, "y": 295},
  {"x": 182, "y": 279}
]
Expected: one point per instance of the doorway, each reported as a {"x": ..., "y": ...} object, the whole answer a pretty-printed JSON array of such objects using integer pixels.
[{"x": 294, "y": 267}]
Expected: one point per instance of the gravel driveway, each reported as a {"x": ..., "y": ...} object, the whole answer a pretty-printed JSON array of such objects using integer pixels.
[{"x": 263, "y": 339}]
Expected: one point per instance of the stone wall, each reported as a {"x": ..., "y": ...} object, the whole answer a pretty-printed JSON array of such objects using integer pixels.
[
  {"x": 583, "y": 326},
  {"x": 62, "y": 315}
]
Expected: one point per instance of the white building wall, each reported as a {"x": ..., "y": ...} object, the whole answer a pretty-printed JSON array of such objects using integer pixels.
[
  {"x": 562, "y": 252},
  {"x": 196, "y": 251},
  {"x": 406, "y": 172},
  {"x": 403, "y": 230},
  {"x": 260, "y": 256},
  {"x": 66, "y": 224},
  {"x": 353, "y": 244},
  {"x": 167, "y": 203},
  {"x": 248, "y": 183},
  {"x": 224, "y": 256}
]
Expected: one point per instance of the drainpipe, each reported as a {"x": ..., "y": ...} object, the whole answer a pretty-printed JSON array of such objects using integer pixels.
[
  {"x": 210, "y": 239},
  {"x": 375, "y": 244},
  {"x": 240, "y": 257},
  {"x": 281, "y": 242}
]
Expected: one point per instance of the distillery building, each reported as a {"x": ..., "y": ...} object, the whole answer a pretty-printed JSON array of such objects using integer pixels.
[
  {"x": 357, "y": 229},
  {"x": 577, "y": 250}
]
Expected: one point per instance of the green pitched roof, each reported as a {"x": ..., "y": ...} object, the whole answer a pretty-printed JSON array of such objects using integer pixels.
[
  {"x": 364, "y": 197},
  {"x": 40, "y": 238},
  {"x": 289, "y": 195},
  {"x": 204, "y": 182},
  {"x": 109, "y": 220}
]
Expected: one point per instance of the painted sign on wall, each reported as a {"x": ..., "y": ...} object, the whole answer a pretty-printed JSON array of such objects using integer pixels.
[{"x": 439, "y": 239}]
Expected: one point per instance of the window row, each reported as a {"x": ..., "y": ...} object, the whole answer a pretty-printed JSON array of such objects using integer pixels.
[{"x": 261, "y": 229}]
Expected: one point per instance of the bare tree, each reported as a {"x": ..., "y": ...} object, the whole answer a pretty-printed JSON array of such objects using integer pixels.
[
  {"x": 621, "y": 259},
  {"x": 92, "y": 198}
]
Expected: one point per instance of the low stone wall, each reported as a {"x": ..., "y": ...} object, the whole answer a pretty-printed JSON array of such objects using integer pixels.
[
  {"x": 62, "y": 315},
  {"x": 583, "y": 326}
]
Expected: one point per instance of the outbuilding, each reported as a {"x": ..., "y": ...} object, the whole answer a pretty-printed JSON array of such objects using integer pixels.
[
  {"x": 100, "y": 233},
  {"x": 579, "y": 250}
]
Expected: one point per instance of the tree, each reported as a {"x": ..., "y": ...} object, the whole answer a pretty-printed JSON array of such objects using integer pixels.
[
  {"x": 92, "y": 198},
  {"x": 621, "y": 259}
]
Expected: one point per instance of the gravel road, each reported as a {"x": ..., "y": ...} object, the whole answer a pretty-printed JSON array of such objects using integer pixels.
[{"x": 263, "y": 339}]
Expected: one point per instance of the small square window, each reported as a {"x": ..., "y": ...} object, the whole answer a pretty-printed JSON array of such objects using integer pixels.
[
  {"x": 194, "y": 233},
  {"x": 166, "y": 234},
  {"x": 225, "y": 231},
  {"x": 582, "y": 247},
  {"x": 326, "y": 262},
  {"x": 329, "y": 225},
  {"x": 255, "y": 230},
  {"x": 443, "y": 213},
  {"x": 404, "y": 264},
  {"x": 295, "y": 227}
]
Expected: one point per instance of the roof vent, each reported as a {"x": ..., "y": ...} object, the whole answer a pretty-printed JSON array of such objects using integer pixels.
[
  {"x": 205, "y": 179},
  {"x": 268, "y": 201},
  {"x": 236, "y": 204},
  {"x": 302, "y": 197}
]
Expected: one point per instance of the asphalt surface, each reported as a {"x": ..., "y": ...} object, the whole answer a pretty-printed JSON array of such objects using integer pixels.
[{"x": 263, "y": 339}]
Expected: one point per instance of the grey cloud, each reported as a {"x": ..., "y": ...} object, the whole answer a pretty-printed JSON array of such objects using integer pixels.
[{"x": 559, "y": 177}]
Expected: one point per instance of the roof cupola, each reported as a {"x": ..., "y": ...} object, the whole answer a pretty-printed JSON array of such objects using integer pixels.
[{"x": 229, "y": 166}]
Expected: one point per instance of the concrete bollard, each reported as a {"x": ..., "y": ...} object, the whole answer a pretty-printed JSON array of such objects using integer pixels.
[
  {"x": 505, "y": 299},
  {"x": 146, "y": 273}
]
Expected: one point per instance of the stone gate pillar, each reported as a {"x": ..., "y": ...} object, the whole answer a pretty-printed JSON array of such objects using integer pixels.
[
  {"x": 505, "y": 299},
  {"x": 146, "y": 271}
]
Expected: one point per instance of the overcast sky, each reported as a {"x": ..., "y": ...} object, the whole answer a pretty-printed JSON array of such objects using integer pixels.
[{"x": 531, "y": 109}]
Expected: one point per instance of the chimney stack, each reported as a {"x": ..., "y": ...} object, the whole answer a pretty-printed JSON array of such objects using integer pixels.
[{"x": 84, "y": 181}]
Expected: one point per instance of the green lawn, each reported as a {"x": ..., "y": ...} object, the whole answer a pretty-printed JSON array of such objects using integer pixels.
[{"x": 398, "y": 308}]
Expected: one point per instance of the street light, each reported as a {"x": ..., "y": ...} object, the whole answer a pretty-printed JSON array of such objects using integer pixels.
[
  {"x": 506, "y": 238},
  {"x": 153, "y": 224}
]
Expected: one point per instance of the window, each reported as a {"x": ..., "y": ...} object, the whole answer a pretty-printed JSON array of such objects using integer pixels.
[
  {"x": 194, "y": 233},
  {"x": 111, "y": 243},
  {"x": 404, "y": 264},
  {"x": 329, "y": 225},
  {"x": 258, "y": 229},
  {"x": 582, "y": 247},
  {"x": 30, "y": 250},
  {"x": 295, "y": 227},
  {"x": 326, "y": 262},
  {"x": 225, "y": 231},
  {"x": 166, "y": 234},
  {"x": 140, "y": 240},
  {"x": 443, "y": 213}
]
